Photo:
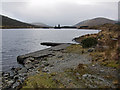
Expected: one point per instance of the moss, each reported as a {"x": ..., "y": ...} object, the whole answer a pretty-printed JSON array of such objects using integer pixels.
[{"x": 42, "y": 80}]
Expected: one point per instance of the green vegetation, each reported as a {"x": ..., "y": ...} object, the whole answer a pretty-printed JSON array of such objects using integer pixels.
[
  {"x": 89, "y": 42},
  {"x": 113, "y": 64},
  {"x": 76, "y": 49},
  {"x": 42, "y": 80}
]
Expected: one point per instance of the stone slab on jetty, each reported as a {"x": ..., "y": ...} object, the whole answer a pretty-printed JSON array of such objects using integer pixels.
[
  {"x": 50, "y": 43},
  {"x": 42, "y": 53}
]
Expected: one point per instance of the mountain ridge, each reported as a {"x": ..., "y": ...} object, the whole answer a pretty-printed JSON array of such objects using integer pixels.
[
  {"x": 8, "y": 22},
  {"x": 95, "y": 21}
]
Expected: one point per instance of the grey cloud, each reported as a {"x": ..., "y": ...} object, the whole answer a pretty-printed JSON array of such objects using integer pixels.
[{"x": 65, "y": 13}]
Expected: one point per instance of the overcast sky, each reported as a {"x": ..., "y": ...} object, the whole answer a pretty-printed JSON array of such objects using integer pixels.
[{"x": 64, "y": 12}]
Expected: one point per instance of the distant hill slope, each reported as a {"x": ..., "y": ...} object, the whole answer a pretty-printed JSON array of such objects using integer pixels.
[
  {"x": 40, "y": 24},
  {"x": 12, "y": 23},
  {"x": 95, "y": 21}
]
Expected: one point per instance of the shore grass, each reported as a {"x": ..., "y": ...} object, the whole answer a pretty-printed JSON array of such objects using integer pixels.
[{"x": 42, "y": 80}]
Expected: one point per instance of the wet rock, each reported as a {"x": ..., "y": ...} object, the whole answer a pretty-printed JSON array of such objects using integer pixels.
[
  {"x": 6, "y": 74},
  {"x": 23, "y": 74},
  {"x": 23, "y": 70},
  {"x": 12, "y": 74},
  {"x": 10, "y": 82},
  {"x": 15, "y": 70},
  {"x": 15, "y": 85}
]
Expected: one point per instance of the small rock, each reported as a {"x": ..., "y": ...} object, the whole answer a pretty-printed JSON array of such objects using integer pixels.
[
  {"x": 45, "y": 69},
  {"x": 70, "y": 81},
  {"x": 16, "y": 77},
  {"x": 23, "y": 70},
  {"x": 10, "y": 82},
  {"x": 85, "y": 75},
  {"x": 51, "y": 65},
  {"x": 6, "y": 74},
  {"x": 90, "y": 50},
  {"x": 77, "y": 74},
  {"x": 16, "y": 84},
  {"x": 60, "y": 56},
  {"x": 93, "y": 65},
  {"x": 102, "y": 70},
  {"x": 23, "y": 74}
]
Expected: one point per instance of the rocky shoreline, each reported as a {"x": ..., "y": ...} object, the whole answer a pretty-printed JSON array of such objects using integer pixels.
[
  {"x": 31, "y": 62},
  {"x": 68, "y": 65}
]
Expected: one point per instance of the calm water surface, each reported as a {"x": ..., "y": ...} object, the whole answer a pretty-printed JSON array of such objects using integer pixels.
[{"x": 17, "y": 42}]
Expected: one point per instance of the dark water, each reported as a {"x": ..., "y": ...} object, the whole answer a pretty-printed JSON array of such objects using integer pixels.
[{"x": 21, "y": 41}]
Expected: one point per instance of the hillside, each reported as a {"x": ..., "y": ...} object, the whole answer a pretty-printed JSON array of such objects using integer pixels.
[
  {"x": 12, "y": 23},
  {"x": 95, "y": 21},
  {"x": 40, "y": 24}
]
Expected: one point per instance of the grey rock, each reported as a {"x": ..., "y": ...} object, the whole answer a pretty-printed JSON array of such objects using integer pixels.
[
  {"x": 23, "y": 74},
  {"x": 6, "y": 74},
  {"x": 42, "y": 65},
  {"x": 28, "y": 60},
  {"x": 45, "y": 63},
  {"x": 16, "y": 84},
  {"x": 45, "y": 69},
  {"x": 77, "y": 74},
  {"x": 16, "y": 77},
  {"x": 10, "y": 82},
  {"x": 51, "y": 65},
  {"x": 90, "y": 50},
  {"x": 29, "y": 66},
  {"x": 86, "y": 75},
  {"x": 70, "y": 81},
  {"x": 102, "y": 70},
  {"x": 23, "y": 70}
]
